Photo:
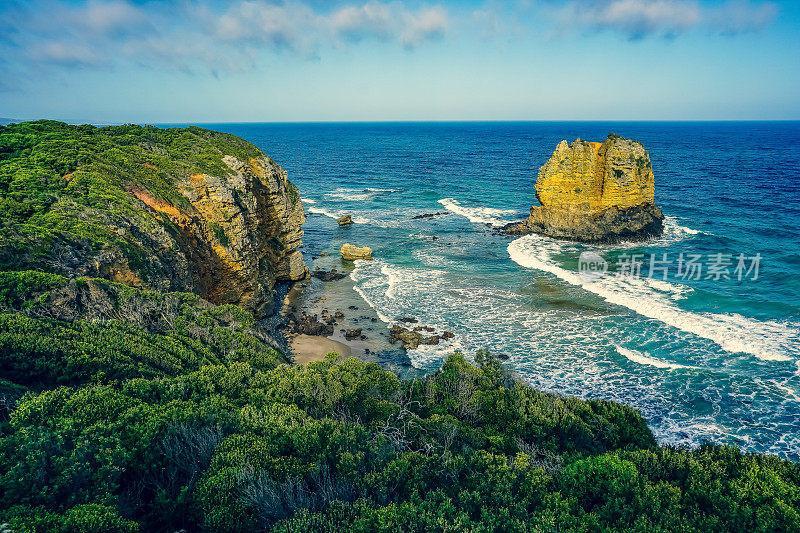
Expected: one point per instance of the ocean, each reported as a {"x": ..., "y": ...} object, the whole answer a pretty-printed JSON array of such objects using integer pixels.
[{"x": 708, "y": 356}]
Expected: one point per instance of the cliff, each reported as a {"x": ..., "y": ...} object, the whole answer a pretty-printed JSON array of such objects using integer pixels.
[
  {"x": 595, "y": 192},
  {"x": 161, "y": 209}
]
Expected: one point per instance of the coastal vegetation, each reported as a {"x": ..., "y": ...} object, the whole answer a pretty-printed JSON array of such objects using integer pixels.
[{"x": 126, "y": 408}]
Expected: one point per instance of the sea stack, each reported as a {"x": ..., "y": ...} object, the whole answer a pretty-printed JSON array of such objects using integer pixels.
[{"x": 595, "y": 192}]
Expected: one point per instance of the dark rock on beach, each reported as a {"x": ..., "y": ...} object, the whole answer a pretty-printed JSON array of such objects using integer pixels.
[
  {"x": 351, "y": 334},
  {"x": 328, "y": 275},
  {"x": 310, "y": 325}
]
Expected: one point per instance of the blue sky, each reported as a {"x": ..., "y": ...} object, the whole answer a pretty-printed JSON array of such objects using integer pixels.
[{"x": 307, "y": 60}]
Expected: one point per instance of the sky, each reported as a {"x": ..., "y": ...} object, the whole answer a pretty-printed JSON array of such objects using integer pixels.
[{"x": 119, "y": 61}]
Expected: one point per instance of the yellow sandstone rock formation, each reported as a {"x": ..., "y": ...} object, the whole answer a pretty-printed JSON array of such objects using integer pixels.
[
  {"x": 246, "y": 227},
  {"x": 595, "y": 192},
  {"x": 351, "y": 253}
]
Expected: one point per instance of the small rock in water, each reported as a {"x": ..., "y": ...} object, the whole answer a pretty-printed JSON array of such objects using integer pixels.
[
  {"x": 352, "y": 308},
  {"x": 351, "y": 334},
  {"x": 502, "y": 357},
  {"x": 409, "y": 320},
  {"x": 428, "y": 215},
  {"x": 351, "y": 253},
  {"x": 338, "y": 315},
  {"x": 345, "y": 220}
]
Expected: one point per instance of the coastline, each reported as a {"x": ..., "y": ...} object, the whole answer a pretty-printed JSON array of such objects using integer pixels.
[{"x": 313, "y": 296}]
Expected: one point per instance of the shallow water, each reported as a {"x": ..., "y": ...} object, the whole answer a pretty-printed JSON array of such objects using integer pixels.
[{"x": 705, "y": 360}]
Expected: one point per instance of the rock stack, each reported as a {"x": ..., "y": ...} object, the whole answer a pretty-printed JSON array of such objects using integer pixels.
[{"x": 595, "y": 192}]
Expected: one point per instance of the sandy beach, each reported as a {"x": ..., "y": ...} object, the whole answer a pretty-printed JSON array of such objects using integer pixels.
[{"x": 309, "y": 348}]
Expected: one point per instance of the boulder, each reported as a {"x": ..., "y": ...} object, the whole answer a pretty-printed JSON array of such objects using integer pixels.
[
  {"x": 595, "y": 192},
  {"x": 310, "y": 325},
  {"x": 410, "y": 339},
  {"x": 351, "y": 253},
  {"x": 429, "y": 215},
  {"x": 345, "y": 220},
  {"x": 351, "y": 334},
  {"x": 328, "y": 275}
]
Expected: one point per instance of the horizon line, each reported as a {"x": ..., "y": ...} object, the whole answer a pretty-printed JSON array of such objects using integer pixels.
[{"x": 412, "y": 121}]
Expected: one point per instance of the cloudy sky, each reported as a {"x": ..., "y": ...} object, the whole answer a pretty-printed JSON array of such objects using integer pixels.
[{"x": 307, "y": 60}]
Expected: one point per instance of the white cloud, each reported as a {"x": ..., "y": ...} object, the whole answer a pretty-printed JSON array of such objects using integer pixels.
[
  {"x": 422, "y": 26},
  {"x": 639, "y": 17},
  {"x": 193, "y": 36},
  {"x": 741, "y": 16},
  {"x": 67, "y": 54},
  {"x": 636, "y": 19},
  {"x": 109, "y": 17}
]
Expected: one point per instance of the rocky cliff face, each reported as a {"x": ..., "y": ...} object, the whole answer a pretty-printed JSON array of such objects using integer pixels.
[
  {"x": 241, "y": 233},
  {"x": 167, "y": 210},
  {"x": 595, "y": 192}
]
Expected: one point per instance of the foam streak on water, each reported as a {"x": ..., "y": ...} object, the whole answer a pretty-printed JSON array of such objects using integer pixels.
[
  {"x": 638, "y": 357},
  {"x": 733, "y": 332},
  {"x": 481, "y": 215}
]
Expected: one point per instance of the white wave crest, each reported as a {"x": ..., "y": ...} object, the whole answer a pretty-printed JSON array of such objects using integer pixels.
[
  {"x": 335, "y": 214},
  {"x": 767, "y": 340},
  {"x": 358, "y": 195},
  {"x": 672, "y": 223},
  {"x": 638, "y": 357},
  {"x": 394, "y": 291},
  {"x": 481, "y": 215},
  {"x": 320, "y": 211},
  {"x": 308, "y": 201}
]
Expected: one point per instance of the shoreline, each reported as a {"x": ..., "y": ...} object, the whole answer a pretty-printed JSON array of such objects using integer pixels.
[{"x": 327, "y": 299}]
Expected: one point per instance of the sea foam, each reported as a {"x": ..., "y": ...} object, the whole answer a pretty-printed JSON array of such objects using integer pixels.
[
  {"x": 358, "y": 195},
  {"x": 767, "y": 340},
  {"x": 481, "y": 215},
  {"x": 335, "y": 214},
  {"x": 638, "y": 357}
]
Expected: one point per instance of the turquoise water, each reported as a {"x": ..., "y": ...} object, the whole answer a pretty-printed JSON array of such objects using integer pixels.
[{"x": 705, "y": 360}]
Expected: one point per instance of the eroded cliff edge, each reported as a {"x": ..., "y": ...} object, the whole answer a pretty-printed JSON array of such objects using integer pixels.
[
  {"x": 595, "y": 192},
  {"x": 179, "y": 209}
]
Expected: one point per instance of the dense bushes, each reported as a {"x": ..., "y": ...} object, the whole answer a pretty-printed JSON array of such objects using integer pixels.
[
  {"x": 345, "y": 446},
  {"x": 92, "y": 330},
  {"x": 66, "y": 192}
]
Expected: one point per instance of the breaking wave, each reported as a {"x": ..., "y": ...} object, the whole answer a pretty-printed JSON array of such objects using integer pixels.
[
  {"x": 481, "y": 215},
  {"x": 655, "y": 299}
]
